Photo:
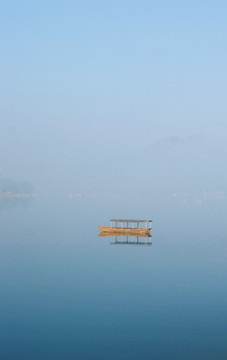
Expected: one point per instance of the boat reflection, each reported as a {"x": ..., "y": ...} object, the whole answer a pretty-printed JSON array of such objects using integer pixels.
[{"x": 127, "y": 239}]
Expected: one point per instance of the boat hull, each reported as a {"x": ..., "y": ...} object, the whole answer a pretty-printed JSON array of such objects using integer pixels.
[
  {"x": 105, "y": 233},
  {"x": 126, "y": 231}
]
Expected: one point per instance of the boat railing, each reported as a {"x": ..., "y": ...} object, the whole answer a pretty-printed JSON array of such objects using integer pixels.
[{"x": 147, "y": 223}]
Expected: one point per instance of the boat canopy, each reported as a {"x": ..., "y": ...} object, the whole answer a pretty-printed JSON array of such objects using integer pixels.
[{"x": 132, "y": 221}]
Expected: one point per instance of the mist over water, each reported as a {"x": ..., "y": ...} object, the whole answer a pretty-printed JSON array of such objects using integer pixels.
[
  {"x": 113, "y": 110},
  {"x": 67, "y": 293}
]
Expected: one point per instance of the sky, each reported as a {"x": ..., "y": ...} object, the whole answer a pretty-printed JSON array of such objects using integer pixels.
[{"x": 88, "y": 80}]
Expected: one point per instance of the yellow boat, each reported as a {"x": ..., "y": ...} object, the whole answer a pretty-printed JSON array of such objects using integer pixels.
[{"x": 127, "y": 230}]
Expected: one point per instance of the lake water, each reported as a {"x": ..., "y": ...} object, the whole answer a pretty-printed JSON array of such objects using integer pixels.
[{"x": 68, "y": 294}]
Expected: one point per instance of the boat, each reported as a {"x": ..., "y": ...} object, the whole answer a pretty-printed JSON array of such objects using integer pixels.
[
  {"x": 126, "y": 229},
  {"x": 119, "y": 230}
]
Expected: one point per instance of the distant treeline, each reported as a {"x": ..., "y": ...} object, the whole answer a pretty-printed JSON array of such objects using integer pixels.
[{"x": 15, "y": 187}]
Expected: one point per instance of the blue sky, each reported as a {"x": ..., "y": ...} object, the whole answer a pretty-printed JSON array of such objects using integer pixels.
[{"x": 103, "y": 77}]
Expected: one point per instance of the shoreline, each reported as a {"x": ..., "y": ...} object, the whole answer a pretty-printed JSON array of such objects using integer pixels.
[{"x": 10, "y": 195}]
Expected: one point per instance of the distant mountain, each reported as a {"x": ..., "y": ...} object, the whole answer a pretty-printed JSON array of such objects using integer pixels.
[
  {"x": 173, "y": 164},
  {"x": 15, "y": 187}
]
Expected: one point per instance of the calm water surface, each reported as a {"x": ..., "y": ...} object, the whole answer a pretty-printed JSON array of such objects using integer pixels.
[{"x": 68, "y": 294}]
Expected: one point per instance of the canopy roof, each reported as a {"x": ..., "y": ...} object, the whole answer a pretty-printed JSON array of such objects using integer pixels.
[{"x": 132, "y": 221}]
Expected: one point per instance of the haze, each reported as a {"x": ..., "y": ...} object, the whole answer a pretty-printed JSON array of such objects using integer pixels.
[{"x": 93, "y": 95}]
